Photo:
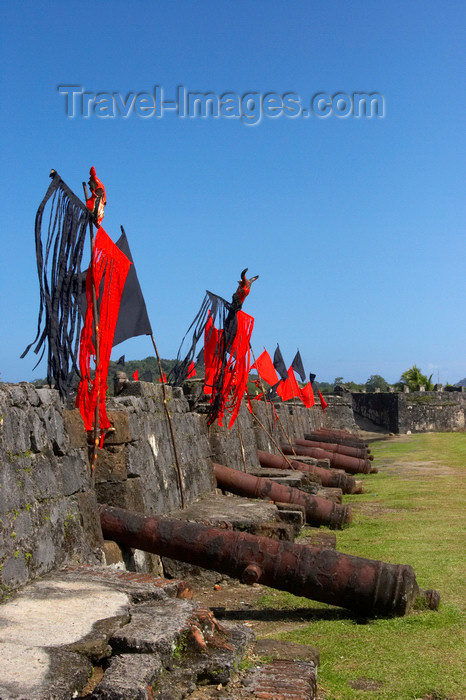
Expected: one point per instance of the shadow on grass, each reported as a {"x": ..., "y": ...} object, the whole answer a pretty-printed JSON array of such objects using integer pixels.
[{"x": 286, "y": 615}]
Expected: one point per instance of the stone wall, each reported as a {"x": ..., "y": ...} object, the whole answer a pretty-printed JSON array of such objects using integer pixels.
[
  {"x": 48, "y": 501},
  {"x": 381, "y": 408},
  {"x": 48, "y": 513},
  {"x": 438, "y": 411},
  {"x": 420, "y": 411}
]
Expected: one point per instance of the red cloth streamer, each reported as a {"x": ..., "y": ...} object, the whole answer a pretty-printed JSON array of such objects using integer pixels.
[
  {"x": 323, "y": 402},
  {"x": 164, "y": 378},
  {"x": 191, "y": 370},
  {"x": 135, "y": 375},
  {"x": 230, "y": 373},
  {"x": 110, "y": 265}
]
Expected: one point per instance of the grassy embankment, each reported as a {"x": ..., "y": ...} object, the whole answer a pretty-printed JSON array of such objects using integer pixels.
[{"x": 413, "y": 512}]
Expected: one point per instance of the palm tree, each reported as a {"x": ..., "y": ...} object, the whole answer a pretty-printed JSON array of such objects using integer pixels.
[{"x": 413, "y": 378}]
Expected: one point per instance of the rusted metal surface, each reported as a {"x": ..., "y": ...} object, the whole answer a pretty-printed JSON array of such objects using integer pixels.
[
  {"x": 319, "y": 511},
  {"x": 321, "y": 437},
  {"x": 357, "y": 452},
  {"x": 352, "y": 465},
  {"x": 364, "y": 586},
  {"x": 328, "y": 477}
]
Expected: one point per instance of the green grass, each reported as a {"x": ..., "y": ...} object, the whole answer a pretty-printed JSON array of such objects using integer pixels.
[{"x": 412, "y": 513}]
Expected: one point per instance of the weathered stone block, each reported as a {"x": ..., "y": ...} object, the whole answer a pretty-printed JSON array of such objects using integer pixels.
[
  {"x": 53, "y": 422},
  {"x": 75, "y": 472},
  {"x": 128, "y": 494},
  {"x": 122, "y": 432},
  {"x": 111, "y": 464},
  {"x": 74, "y": 427},
  {"x": 16, "y": 431}
]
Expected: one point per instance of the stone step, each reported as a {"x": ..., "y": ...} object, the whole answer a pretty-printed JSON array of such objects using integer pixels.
[{"x": 149, "y": 639}]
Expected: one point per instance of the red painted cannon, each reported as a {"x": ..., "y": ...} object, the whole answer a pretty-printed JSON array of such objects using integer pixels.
[
  {"x": 328, "y": 477},
  {"x": 352, "y": 465},
  {"x": 357, "y": 452},
  {"x": 319, "y": 511},
  {"x": 364, "y": 586}
]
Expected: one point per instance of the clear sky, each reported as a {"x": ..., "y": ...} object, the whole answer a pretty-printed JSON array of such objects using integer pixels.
[{"x": 355, "y": 225}]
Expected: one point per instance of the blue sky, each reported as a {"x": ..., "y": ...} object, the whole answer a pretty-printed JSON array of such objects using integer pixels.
[{"x": 355, "y": 226}]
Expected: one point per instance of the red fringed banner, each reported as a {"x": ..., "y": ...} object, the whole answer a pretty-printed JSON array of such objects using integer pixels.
[
  {"x": 227, "y": 368},
  {"x": 110, "y": 265}
]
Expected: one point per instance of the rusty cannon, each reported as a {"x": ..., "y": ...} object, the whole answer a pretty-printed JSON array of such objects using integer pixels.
[
  {"x": 352, "y": 465},
  {"x": 364, "y": 586},
  {"x": 342, "y": 435},
  {"x": 320, "y": 437},
  {"x": 328, "y": 477},
  {"x": 319, "y": 511},
  {"x": 335, "y": 447}
]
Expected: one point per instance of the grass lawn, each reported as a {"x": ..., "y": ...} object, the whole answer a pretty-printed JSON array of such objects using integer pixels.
[{"x": 412, "y": 512}]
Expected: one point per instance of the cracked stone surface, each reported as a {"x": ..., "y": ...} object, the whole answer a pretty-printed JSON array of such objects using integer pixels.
[{"x": 43, "y": 627}]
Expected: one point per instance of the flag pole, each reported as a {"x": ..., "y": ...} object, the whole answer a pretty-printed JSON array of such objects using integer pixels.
[
  {"x": 95, "y": 310},
  {"x": 276, "y": 413},
  {"x": 263, "y": 390},
  {"x": 272, "y": 439},
  {"x": 165, "y": 405},
  {"x": 242, "y": 447}
]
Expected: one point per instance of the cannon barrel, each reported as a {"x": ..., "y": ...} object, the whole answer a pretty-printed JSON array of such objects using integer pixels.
[
  {"x": 319, "y": 511},
  {"x": 365, "y": 586},
  {"x": 328, "y": 477},
  {"x": 341, "y": 435},
  {"x": 327, "y": 437},
  {"x": 357, "y": 452},
  {"x": 320, "y": 437},
  {"x": 349, "y": 464}
]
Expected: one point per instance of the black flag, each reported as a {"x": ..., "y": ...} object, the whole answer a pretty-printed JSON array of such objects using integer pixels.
[
  {"x": 311, "y": 378},
  {"x": 121, "y": 361},
  {"x": 298, "y": 367},
  {"x": 132, "y": 317},
  {"x": 279, "y": 364}
]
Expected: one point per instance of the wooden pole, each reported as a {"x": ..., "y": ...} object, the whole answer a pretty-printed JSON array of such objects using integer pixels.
[
  {"x": 270, "y": 419},
  {"x": 242, "y": 447},
  {"x": 263, "y": 393},
  {"x": 95, "y": 310},
  {"x": 167, "y": 412},
  {"x": 271, "y": 438}
]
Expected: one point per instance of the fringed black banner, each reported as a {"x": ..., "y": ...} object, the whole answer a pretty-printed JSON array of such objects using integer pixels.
[
  {"x": 59, "y": 269},
  {"x": 213, "y": 307},
  {"x": 225, "y": 333}
]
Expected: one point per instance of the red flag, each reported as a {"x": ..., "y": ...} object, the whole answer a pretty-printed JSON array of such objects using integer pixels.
[
  {"x": 294, "y": 384},
  {"x": 307, "y": 395},
  {"x": 191, "y": 370},
  {"x": 265, "y": 368},
  {"x": 135, "y": 376},
  {"x": 323, "y": 402},
  {"x": 289, "y": 389},
  {"x": 164, "y": 378}
]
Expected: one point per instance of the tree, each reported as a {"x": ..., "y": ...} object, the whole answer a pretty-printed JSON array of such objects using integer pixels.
[
  {"x": 375, "y": 381},
  {"x": 413, "y": 378}
]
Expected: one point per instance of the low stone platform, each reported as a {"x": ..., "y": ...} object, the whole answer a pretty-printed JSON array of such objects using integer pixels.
[{"x": 149, "y": 640}]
